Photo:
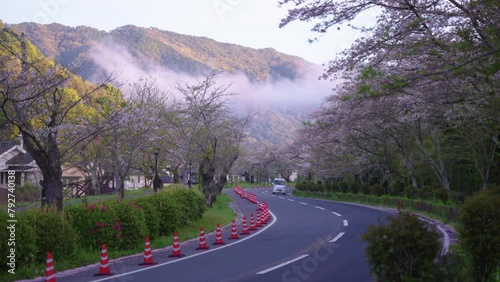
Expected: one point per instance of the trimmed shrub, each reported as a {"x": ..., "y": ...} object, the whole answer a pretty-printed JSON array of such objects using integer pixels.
[
  {"x": 479, "y": 232},
  {"x": 95, "y": 224},
  {"x": 151, "y": 215},
  {"x": 377, "y": 189},
  {"x": 169, "y": 212},
  {"x": 425, "y": 192},
  {"x": 402, "y": 250},
  {"x": 442, "y": 195},
  {"x": 132, "y": 221},
  {"x": 191, "y": 203},
  {"x": 24, "y": 244},
  {"x": 411, "y": 192},
  {"x": 54, "y": 233}
]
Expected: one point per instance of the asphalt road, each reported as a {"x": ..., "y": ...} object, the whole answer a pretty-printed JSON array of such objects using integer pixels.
[{"x": 306, "y": 240}]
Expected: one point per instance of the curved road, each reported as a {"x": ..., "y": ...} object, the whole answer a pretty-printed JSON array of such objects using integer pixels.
[{"x": 306, "y": 240}]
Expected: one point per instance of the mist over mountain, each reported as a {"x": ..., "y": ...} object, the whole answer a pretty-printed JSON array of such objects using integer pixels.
[{"x": 282, "y": 89}]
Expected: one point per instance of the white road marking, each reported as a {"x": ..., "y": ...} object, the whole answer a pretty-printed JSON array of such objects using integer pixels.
[
  {"x": 337, "y": 214},
  {"x": 282, "y": 264},
  {"x": 302, "y": 203},
  {"x": 319, "y": 208},
  {"x": 337, "y": 237},
  {"x": 291, "y": 200},
  {"x": 281, "y": 198},
  {"x": 345, "y": 222},
  {"x": 192, "y": 256}
]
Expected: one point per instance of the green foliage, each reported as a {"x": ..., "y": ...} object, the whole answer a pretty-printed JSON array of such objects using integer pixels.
[
  {"x": 151, "y": 215},
  {"x": 28, "y": 193},
  {"x": 453, "y": 266},
  {"x": 25, "y": 243},
  {"x": 169, "y": 212},
  {"x": 425, "y": 192},
  {"x": 377, "y": 189},
  {"x": 365, "y": 188},
  {"x": 191, "y": 202},
  {"x": 402, "y": 250},
  {"x": 396, "y": 188},
  {"x": 411, "y": 192},
  {"x": 96, "y": 224},
  {"x": 132, "y": 221},
  {"x": 54, "y": 233},
  {"x": 480, "y": 232},
  {"x": 354, "y": 187},
  {"x": 442, "y": 195},
  {"x": 343, "y": 186}
]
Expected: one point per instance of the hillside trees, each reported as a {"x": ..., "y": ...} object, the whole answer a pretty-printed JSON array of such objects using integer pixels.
[
  {"x": 420, "y": 91},
  {"x": 54, "y": 119}
]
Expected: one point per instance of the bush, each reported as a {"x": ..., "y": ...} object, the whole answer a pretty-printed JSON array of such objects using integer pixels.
[
  {"x": 25, "y": 241},
  {"x": 377, "y": 189},
  {"x": 402, "y": 250},
  {"x": 365, "y": 188},
  {"x": 169, "y": 212},
  {"x": 354, "y": 187},
  {"x": 425, "y": 192},
  {"x": 479, "y": 232},
  {"x": 54, "y": 233},
  {"x": 132, "y": 221},
  {"x": 442, "y": 195},
  {"x": 453, "y": 266},
  {"x": 28, "y": 193},
  {"x": 95, "y": 224},
  {"x": 343, "y": 187},
  {"x": 411, "y": 192},
  {"x": 396, "y": 188},
  {"x": 191, "y": 202},
  {"x": 151, "y": 215}
]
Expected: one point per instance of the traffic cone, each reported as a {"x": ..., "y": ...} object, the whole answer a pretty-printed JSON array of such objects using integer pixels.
[
  {"x": 148, "y": 256},
  {"x": 176, "y": 251},
  {"x": 50, "y": 275},
  {"x": 202, "y": 245},
  {"x": 234, "y": 232},
  {"x": 245, "y": 227},
  {"x": 252, "y": 223},
  {"x": 259, "y": 222},
  {"x": 218, "y": 236},
  {"x": 104, "y": 267}
]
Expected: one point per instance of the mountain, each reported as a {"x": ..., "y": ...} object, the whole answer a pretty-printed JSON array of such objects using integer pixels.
[
  {"x": 273, "y": 79},
  {"x": 180, "y": 53}
]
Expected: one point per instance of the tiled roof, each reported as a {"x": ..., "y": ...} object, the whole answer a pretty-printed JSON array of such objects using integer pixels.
[
  {"x": 6, "y": 145},
  {"x": 20, "y": 159}
]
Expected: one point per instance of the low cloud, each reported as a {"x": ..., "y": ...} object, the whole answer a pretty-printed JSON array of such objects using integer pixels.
[{"x": 304, "y": 93}]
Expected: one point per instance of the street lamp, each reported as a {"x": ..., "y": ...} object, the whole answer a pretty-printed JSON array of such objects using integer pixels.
[
  {"x": 189, "y": 175},
  {"x": 155, "y": 179}
]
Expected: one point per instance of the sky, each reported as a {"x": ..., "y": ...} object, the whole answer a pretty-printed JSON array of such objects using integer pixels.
[{"x": 251, "y": 23}]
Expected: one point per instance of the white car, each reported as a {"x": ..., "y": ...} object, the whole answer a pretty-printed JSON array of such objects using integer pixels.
[{"x": 279, "y": 185}]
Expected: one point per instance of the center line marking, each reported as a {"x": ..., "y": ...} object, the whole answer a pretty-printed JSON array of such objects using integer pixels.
[
  {"x": 337, "y": 237},
  {"x": 291, "y": 200},
  {"x": 345, "y": 222},
  {"x": 281, "y": 198},
  {"x": 319, "y": 208},
  {"x": 283, "y": 264},
  {"x": 302, "y": 203},
  {"x": 337, "y": 214}
]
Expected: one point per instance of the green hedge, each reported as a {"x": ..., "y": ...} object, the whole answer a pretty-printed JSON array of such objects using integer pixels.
[{"x": 25, "y": 243}]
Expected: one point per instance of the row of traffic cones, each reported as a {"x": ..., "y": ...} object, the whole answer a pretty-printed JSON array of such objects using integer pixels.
[{"x": 176, "y": 250}]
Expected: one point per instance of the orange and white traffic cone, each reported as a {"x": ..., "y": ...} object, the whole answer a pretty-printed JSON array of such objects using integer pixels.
[
  {"x": 245, "y": 227},
  {"x": 234, "y": 232},
  {"x": 259, "y": 222},
  {"x": 50, "y": 275},
  {"x": 202, "y": 243},
  {"x": 252, "y": 223},
  {"x": 104, "y": 267},
  {"x": 148, "y": 256},
  {"x": 218, "y": 236},
  {"x": 176, "y": 247}
]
